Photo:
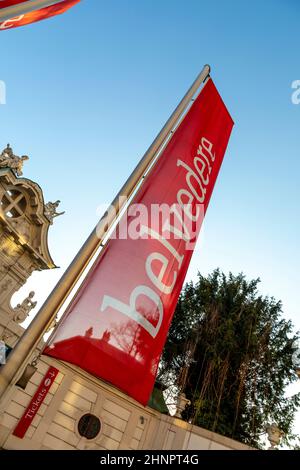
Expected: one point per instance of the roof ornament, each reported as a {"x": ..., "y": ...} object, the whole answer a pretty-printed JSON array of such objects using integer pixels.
[
  {"x": 51, "y": 210},
  {"x": 22, "y": 310},
  {"x": 9, "y": 160}
]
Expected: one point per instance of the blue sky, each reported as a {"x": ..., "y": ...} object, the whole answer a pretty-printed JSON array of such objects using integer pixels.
[{"x": 88, "y": 91}]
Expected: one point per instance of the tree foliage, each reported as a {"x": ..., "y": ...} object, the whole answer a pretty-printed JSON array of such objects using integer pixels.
[{"x": 230, "y": 351}]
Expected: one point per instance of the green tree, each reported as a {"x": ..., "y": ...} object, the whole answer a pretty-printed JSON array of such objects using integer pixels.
[{"x": 230, "y": 351}]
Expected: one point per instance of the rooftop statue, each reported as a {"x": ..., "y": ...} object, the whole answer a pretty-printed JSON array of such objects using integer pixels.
[
  {"x": 51, "y": 212},
  {"x": 9, "y": 160},
  {"x": 22, "y": 310}
]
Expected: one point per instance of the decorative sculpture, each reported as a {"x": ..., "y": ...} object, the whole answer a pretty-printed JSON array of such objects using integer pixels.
[
  {"x": 51, "y": 212},
  {"x": 22, "y": 310},
  {"x": 274, "y": 435},
  {"x": 9, "y": 160},
  {"x": 182, "y": 403}
]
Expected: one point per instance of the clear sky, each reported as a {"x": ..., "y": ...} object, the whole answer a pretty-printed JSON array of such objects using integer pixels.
[{"x": 88, "y": 91}]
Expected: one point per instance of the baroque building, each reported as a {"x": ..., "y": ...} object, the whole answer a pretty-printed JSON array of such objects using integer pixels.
[{"x": 24, "y": 223}]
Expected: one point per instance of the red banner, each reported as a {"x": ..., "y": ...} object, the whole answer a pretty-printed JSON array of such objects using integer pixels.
[
  {"x": 10, "y": 3},
  {"x": 117, "y": 325},
  {"x": 36, "y": 15},
  {"x": 35, "y": 403}
]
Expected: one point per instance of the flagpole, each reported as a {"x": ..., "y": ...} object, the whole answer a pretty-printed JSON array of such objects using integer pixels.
[
  {"x": 22, "y": 8},
  {"x": 33, "y": 334}
]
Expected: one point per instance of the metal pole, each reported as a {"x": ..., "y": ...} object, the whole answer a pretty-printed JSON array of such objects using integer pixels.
[
  {"x": 32, "y": 335},
  {"x": 22, "y": 8}
]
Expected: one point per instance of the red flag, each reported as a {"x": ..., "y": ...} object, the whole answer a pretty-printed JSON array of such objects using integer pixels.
[
  {"x": 10, "y": 3},
  {"x": 117, "y": 325},
  {"x": 36, "y": 15}
]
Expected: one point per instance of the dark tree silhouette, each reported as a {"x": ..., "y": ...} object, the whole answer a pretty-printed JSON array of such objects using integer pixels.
[{"x": 230, "y": 351}]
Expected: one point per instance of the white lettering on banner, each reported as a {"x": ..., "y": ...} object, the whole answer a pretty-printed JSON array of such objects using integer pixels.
[
  {"x": 206, "y": 145},
  {"x": 191, "y": 174},
  {"x": 167, "y": 227},
  {"x": 153, "y": 234},
  {"x": 187, "y": 205},
  {"x": 201, "y": 175},
  {"x": 10, "y": 23},
  {"x": 157, "y": 280},
  {"x": 130, "y": 310}
]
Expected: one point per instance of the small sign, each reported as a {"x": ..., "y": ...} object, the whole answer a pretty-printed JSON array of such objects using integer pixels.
[{"x": 35, "y": 403}]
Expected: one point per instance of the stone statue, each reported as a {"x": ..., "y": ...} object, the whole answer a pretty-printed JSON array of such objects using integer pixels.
[
  {"x": 182, "y": 403},
  {"x": 22, "y": 310},
  {"x": 274, "y": 435},
  {"x": 50, "y": 210},
  {"x": 9, "y": 160}
]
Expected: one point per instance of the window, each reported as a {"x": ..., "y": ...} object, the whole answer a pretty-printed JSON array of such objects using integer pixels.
[
  {"x": 13, "y": 203},
  {"x": 89, "y": 426}
]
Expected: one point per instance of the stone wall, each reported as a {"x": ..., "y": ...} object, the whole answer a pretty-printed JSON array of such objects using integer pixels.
[{"x": 125, "y": 423}]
